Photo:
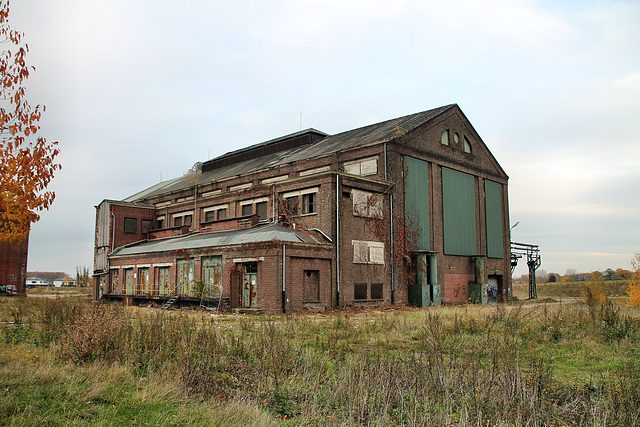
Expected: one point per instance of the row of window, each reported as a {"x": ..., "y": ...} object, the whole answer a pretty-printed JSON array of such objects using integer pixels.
[
  {"x": 131, "y": 226},
  {"x": 445, "y": 139},
  {"x": 364, "y": 291}
]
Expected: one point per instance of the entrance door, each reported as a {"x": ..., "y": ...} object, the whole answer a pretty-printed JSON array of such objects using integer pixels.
[{"x": 250, "y": 285}]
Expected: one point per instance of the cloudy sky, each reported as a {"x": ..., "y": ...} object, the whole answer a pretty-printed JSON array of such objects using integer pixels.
[{"x": 139, "y": 90}]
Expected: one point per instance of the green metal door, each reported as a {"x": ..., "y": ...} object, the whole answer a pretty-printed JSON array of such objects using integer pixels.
[
  {"x": 416, "y": 208},
  {"x": 459, "y": 213},
  {"x": 186, "y": 277}
]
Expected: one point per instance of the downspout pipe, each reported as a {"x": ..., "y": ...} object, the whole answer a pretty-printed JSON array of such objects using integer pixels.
[
  {"x": 284, "y": 276},
  {"x": 391, "y": 240},
  {"x": 337, "y": 240}
]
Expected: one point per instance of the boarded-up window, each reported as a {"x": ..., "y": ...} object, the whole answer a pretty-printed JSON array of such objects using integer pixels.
[
  {"x": 366, "y": 204},
  {"x": 261, "y": 210},
  {"x": 493, "y": 217},
  {"x": 130, "y": 225},
  {"x": 376, "y": 291},
  {"x": 360, "y": 291},
  {"x": 459, "y": 213},
  {"x": 368, "y": 252},
  {"x": 362, "y": 167},
  {"x": 311, "y": 285}
]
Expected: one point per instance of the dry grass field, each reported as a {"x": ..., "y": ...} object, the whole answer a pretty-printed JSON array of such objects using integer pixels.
[{"x": 65, "y": 361}]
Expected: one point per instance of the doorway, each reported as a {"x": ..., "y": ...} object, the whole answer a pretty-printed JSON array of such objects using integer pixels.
[{"x": 249, "y": 284}]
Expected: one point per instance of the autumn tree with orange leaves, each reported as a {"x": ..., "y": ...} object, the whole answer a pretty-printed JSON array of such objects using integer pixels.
[{"x": 27, "y": 162}]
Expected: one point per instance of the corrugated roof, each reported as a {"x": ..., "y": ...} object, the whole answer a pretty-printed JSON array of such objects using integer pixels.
[
  {"x": 256, "y": 234},
  {"x": 375, "y": 133}
]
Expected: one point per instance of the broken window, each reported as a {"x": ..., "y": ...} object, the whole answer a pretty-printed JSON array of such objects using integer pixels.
[
  {"x": 292, "y": 205},
  {"x": 309, "y": 203}
]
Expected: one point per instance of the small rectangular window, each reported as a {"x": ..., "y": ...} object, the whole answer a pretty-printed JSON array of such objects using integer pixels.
[
  {"x": 187, "y": 219},
  {"x": 247, "y": 210},
  {"x": 130, "y": 225},
  {"x": 309, "y": 203},
  {"x": 222, "y": 213},
  {"x": 292, "y": 205},
  {"x": 376, "y": 291},
  {"x": 177, "y": 221},
  {"x": 360, "y": 291},
  {"x": 160, "y": 223},
  {"x": 261, "y": 210},
  {"x": 145, "y": 226},
  {"x": 210, "y": 216}
]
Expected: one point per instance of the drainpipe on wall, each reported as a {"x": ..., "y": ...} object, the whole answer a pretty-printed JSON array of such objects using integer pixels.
[
  {"x": 391, "y": 241},
  {"x": 337, "y": 240},
  {"x": 273, "y": 204},
  {"x": 392, "y": 247},
  {"x": 284, "y": 282}
]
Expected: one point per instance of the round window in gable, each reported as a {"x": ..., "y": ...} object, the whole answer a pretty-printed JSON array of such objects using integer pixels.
[
  {"x": 467, "y": 145},
  {"x": 444, "y": 139}
]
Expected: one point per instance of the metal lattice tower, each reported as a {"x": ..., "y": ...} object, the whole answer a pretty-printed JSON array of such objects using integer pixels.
[{"x": 532, "y": 252}]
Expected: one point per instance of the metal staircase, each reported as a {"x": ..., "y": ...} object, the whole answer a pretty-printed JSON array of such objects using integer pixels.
[{"x": 168, "y": 303}]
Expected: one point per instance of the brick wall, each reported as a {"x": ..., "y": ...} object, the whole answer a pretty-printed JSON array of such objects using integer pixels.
[{"x": 13, "y": 264}]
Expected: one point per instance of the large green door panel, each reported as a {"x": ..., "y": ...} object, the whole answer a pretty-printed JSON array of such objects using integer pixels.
[
  {"x": 493, "y": 215},
  {"x": 459, "y": 213},
  {"x": 416, "y": 206}
]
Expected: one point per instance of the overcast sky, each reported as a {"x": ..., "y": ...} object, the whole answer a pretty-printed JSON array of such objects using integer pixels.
[{"x": 139, "y": 90}]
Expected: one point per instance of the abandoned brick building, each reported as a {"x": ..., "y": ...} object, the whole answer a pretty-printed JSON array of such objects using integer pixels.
[
  {"x": 13, "y": 266},
  {"x": 412, "y": 210}
]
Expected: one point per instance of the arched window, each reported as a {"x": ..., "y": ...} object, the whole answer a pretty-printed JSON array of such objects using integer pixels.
[
  {"x": 444, "y": 139},
  {"x": 467, "y": 145}
]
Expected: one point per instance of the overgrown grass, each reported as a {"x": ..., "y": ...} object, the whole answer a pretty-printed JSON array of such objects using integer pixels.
[
  {"x": 64, "y": 362},
  {"x": 612, "y": 288}
]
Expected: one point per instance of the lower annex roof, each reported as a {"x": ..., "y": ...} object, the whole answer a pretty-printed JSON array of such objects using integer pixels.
[{"x": 255, "y": 234}]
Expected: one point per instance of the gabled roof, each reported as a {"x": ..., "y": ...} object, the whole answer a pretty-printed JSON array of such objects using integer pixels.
[
  {"x": 367, "y": 135},
  {"x": 256, "y": 234}
]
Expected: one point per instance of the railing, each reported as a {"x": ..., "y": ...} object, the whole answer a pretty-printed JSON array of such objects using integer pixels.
[
  {"x": 151, "y": 289},
  {"x": 168, "y": 232},
  {"x": 170, "y": 289}
]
